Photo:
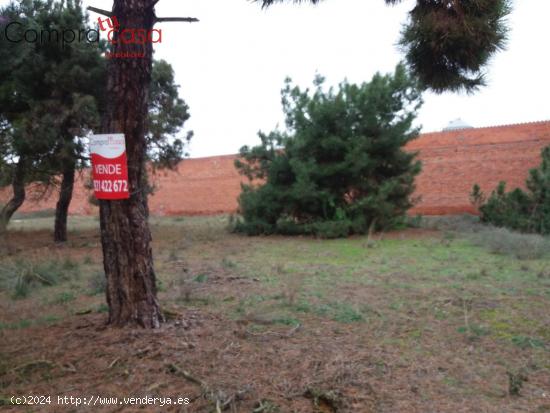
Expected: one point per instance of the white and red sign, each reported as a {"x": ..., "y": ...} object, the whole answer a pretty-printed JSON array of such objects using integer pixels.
[{"x": 109, "y": 166}]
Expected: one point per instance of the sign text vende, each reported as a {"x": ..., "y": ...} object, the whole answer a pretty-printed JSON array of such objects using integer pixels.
[{"x": 104, "y": 169}]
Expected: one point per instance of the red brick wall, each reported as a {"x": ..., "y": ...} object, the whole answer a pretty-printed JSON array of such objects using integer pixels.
[{"x": 452, "y": 163}]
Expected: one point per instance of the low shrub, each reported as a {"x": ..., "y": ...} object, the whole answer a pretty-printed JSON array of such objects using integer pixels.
[
  {"x": 505, "y": 242},
  {"x": 525, "y": 211}
]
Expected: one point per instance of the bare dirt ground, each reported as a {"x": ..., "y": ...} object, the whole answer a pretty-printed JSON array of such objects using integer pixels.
[{"x": 412, "y": 321}]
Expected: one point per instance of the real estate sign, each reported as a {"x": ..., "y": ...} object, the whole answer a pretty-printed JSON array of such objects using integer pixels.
[{"x": 109, "y": 166}]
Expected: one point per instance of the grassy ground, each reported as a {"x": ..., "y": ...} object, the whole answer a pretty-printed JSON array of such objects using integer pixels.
[{"x": 420, "y": 320}]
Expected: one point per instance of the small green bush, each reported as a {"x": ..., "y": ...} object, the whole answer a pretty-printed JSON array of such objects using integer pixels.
[
  {"x": 524, "y": 211},
  {"x": 505, "y": 242}
]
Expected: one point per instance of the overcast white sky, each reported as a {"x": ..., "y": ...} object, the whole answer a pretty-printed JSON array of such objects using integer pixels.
[{"x": 232, "y": 64}]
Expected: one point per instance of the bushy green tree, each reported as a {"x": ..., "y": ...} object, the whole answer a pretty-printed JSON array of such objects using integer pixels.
[
  {"x": 341, "y": 167},
  {"x": 525, "y": 211},
  {"x": 48, "y": 98},
  {"x": 54, "y": 93}
]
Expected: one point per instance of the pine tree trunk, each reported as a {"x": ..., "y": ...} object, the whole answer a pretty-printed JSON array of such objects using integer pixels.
[
  {"x": 64, "y": 201},
  {"x": 18, "y": 186},
  {"x": 125, "y": 234}
]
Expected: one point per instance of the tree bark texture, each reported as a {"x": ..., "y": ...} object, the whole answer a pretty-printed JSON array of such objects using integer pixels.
[
  {"x": 125, "y": 235},
  {"x": 18, "y": 186},
  {"x": 64, "y": 201}
]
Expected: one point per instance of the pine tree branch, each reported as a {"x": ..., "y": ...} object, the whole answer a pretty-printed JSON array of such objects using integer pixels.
[
  {"x": 176, "y": 19},
  {"x": 100, "y": 11}
]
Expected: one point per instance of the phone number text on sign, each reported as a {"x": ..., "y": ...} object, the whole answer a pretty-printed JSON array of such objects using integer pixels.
[
  {"x": 109, "y": 166},
  {"x": 110, "y": 186}
]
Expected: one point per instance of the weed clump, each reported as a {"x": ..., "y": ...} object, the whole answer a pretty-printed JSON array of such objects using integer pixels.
[
  {"x": 515, "y": 382},
  {"x": 20, "y": 277}
]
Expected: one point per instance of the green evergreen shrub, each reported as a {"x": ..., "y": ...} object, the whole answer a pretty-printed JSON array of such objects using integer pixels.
[
  {"x": 340, "y": 166},
  {"x": 524, "y": 211}
]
